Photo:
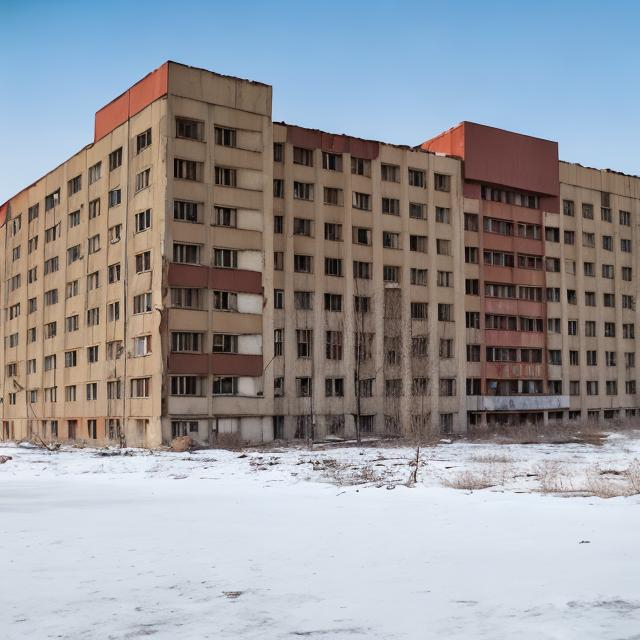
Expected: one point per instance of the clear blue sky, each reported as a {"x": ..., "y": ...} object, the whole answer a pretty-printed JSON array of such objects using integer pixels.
[{"x": 394, "y": 71}]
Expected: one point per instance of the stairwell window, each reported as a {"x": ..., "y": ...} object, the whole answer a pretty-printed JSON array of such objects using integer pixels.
[
  {"x": 142, "y": 303},
  {"x": 114, "y": 389},
  {"x": 93, "y": 244},
  {"x": 52, "y": 233},
  {"x": 115, "y": 234},
  {"x": 93, "y": 280},
  {"x": 143, "y": 179},
  {"x": 143, "y": 140},
  {"x": 143, "y": 220},
  {"x": 94, "y": 208},
  {"x": 50, "y": 266},
  {"x": 115, "y": 197},
  {"x": 74, "y": 185},
  {"x": 115, "y": 159},
  {"x": 113, "y": 273},
  {"x": 73, "y": 219},
  {"x": 93, "y": 317},
  {"x": 95, "y": 172},
  {"x": 143, "y": 261},
  {"x": 52, "y": 200},
  {"x": 304, "y": 341},
  {"x": 113, "y": 311}
]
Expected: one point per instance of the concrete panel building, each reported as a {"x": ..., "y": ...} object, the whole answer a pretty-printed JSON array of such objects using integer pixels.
[{"x": 202, "y": 270}]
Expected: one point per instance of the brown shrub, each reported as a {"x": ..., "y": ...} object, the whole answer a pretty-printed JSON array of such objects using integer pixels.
[{"x": 231, "y": 441}]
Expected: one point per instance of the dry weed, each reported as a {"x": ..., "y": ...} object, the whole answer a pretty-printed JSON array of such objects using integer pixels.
[
  {"x": 491, "y": 458},
  {"x": 632, "y": 475},
  {"x": 468, "y": 480},
  {"x": 602, "y": 487},
  {"x": 553, "y": 478}
]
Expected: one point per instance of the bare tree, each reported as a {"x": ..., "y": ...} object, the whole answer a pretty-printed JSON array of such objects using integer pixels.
[
  {"x": 419, "y": 429},
  {"x": 394, "y": 358}
]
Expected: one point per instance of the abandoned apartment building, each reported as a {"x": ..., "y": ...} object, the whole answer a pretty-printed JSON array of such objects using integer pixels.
[{"x": 202, "y": 270}]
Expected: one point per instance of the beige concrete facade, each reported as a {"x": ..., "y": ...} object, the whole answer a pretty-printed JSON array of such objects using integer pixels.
[{"x": 240, "y": 276}]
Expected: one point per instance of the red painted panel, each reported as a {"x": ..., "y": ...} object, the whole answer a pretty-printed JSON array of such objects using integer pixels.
[
  {"x": 332, "y": 143},
  {"x": 496, "y": 337},
  {"x": 189, "y": 363},
  {"x": 188, "y": 275},
  {"x": 3, "y": 212},
  {"x": 450, "y": 142},
  {"x": 514, "y": 307},
  {"x": 510, "y": 212},
  {"x": 237, "y": 364},
  {"x": 199, "y": 276},
  {"x": 231, "y": 364},
  {"x": 499, "y": 242},
  {"x": 507, "y": 275},
  {"x": 513, "y": 370},
  {"x": 132, "y": 101},
  {"x": 239, "y": 280},
  {"x": 500, "y": 157}
]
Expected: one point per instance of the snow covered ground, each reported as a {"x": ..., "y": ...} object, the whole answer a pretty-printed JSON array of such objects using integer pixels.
[{"x": 328, "y": 544}]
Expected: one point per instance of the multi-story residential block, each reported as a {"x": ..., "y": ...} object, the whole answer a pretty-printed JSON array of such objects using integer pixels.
[{"x": 201, "y": 270}]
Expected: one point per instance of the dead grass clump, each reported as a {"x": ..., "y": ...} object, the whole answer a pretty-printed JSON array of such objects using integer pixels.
[
  {"x": 554, "y": 432},
  {"x": 602, "y": 487},
  {"x": 553, "y": 478},
  {"x": 469, "y": 481},
  {"x": 491, "y": 458},
  {"x": 349, "y": 474},
  {"x": 632, "y": 475},
  {"x": 231, "y": 441}
]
